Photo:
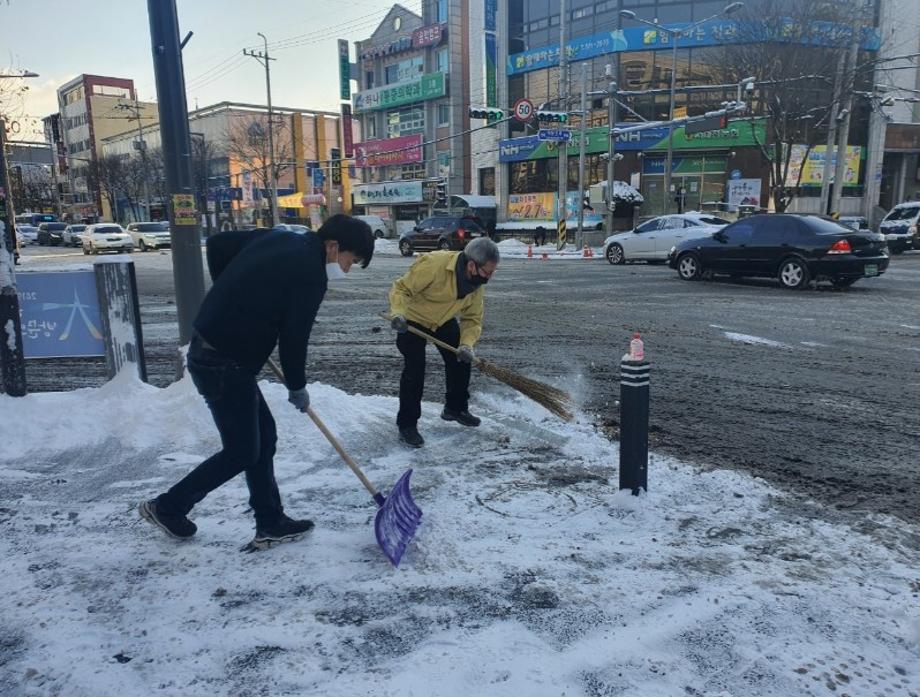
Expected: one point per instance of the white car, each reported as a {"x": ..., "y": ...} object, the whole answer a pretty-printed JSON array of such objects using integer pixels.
[
  {"x": 150, "y": 235},
  {"x": 900, "y": 227},
  {"x": 72, "y": 235},
  {"x": 28, "y": 234},
  {"x": 653, "y": 239},
  {"x": 378, "y": 225},
  {"x": 106, "y": 237}
]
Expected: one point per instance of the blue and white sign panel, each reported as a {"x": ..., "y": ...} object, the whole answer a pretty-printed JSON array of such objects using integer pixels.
[
  {"x": 319, "y": 178},
  {"x": 716, "y": 32},
  {"x": 60, "y": 314},
  {"x": 554, "y": 134}
]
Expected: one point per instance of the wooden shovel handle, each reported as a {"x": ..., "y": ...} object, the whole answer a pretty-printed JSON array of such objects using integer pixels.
[
  {"x": 331, "y": 438},
  {"x": 425, "y": 335}
]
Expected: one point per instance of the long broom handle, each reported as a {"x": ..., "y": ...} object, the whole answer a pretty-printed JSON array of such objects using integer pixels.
[
  {"x": 331, "y": 438},
  {"x": 425, "y": 335}
]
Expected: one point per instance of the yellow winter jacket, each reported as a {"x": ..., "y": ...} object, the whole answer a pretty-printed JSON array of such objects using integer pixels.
[{"x": 427, "y": 295}]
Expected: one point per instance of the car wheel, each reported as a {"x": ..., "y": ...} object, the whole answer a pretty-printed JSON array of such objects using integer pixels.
[
  {"x": 794, "y": 274},
  {"x": 843, "y": 282},
  {"x": 379, "y": 234},
  {"x": 615, "y": 254},
  {"x": 405, "y": 248},
  {"x": 444, "y": 245},
  {"x": 142, "y": 246},
  {"x": 689, "y": 267}
]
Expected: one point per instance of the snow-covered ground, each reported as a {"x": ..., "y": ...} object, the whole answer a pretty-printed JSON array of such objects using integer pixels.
[{"x": 531, "y": 574}]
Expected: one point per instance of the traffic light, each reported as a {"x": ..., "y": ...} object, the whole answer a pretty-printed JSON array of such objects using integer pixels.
[
  {"x": 487, "y": 114},
  {"x": 440, "y": 193},
  {"x": 553, "y": 116}
]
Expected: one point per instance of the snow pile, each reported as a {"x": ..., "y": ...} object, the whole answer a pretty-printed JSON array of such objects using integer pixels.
[
  {"x": 531, "y": 574},
  {"x": 516, "y": 249},
  {"x": 624, "y": 193},
  {"x": 386, "y": 247}
]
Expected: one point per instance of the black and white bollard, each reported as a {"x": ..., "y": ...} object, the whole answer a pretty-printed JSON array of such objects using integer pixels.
[
  {"x": 116, "y": 285},
  {"x": 634, "y": 396}
]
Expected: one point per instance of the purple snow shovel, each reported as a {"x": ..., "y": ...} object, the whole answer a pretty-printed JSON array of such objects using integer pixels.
[{"x": 397, "y": 517}]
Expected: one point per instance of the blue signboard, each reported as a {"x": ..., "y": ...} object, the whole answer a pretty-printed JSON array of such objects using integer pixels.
[
  {"x": 596, "y": 140},
  {"x": 554, "y": 134},
  {"x": 318, "y": 178},
  {"x": 713, "y": 33},
  {"x": 490, "y": 13},
  {"x": 60, "y": 314}
]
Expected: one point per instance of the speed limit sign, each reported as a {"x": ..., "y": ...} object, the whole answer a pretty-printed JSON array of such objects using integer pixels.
[{"x": 523, "y": 110}]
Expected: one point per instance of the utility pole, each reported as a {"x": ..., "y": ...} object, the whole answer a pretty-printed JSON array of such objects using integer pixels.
[
  {"x": 142, "y": 148},
  {"x": 265, "y": 59},
  {"x": 563, "y": 146},
  {"x": 173, "y": 109},
  {"x": 12, "y": 363},
  {"x": 612, "y": 93},
  {"x": 579, "y": 238},
  {"x": 832, "y": 133},
  {"x": 843, "y": 133}
]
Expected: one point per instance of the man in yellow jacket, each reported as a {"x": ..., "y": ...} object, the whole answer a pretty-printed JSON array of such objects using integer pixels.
[{"x": 439, "y": 289}]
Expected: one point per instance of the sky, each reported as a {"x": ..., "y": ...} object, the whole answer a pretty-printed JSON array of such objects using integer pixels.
[{"x": 61, "y": 39}]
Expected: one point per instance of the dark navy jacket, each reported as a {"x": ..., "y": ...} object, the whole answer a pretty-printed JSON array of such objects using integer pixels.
[{"x": 268, "y": 286}]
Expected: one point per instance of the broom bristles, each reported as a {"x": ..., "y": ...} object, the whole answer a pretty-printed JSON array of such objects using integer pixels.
[{"x": 552, "y": 398}]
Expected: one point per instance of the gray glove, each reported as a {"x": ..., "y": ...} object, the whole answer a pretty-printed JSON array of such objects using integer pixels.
[
  {"x": 299, "y": 398},
  {"x": 399, "y": 324},
  {"x": 465, "y": 354}
]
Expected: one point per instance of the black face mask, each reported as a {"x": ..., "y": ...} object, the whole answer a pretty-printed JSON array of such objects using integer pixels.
[{"x": 476, "y": 280}]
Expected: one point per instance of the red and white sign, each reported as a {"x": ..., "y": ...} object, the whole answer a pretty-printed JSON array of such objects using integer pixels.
[
  {"x": 348, "y": 141},
  {"x": 523, "y": 110},
  {"x": 427, "y": 36},
  {"x": 393, "y": 151},
  {"x": 313, "y": 200}
]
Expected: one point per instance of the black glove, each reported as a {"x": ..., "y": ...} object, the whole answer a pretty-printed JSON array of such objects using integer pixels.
[
  {"x": 299, "y": 398},
  {"x": 399, "y": 324},
  {"x": 465, "y": 354}
]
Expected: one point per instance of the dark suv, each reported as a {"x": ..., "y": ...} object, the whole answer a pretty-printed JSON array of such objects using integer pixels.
[
  {"x": 51, "y": 233},
  {"x": 440, "y": 232}
]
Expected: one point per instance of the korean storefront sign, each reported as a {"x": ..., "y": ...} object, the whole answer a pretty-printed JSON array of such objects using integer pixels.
[
  {"x": 427, "y": 36},
  {"x": 388, "y": 193},
  {"x": 740, "y": 133},
  {"x": 404, "y": 150},
  {"x": 715, "y": 32},
  {"x": 344, "y": 71},
  {"x": 422, "y": 88}
]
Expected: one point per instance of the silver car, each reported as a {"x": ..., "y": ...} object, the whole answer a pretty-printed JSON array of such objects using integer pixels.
[
  {"x": 72, "y": 235},
  {"x": 150, "y": 235}
]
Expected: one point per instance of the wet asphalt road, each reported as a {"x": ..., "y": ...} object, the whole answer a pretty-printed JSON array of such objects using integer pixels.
[{"x": 816, "y": 391}]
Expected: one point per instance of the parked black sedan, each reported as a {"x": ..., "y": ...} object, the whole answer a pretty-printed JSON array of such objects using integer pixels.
[
  {"x": 51, "y": 233},
  {"x": 795, "y": 249},
  {"x": 440, "y": 232}
]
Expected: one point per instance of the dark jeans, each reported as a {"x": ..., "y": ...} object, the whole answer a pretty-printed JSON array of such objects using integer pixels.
[
  {"x": 247, "y": 434},
  {"x": 412, "y": 382}
]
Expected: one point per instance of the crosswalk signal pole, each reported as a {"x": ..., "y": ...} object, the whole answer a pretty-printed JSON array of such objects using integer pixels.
[{"x": 563, "y": 145}]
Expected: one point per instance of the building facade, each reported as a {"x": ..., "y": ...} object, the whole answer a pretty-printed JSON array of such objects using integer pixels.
[
  {"x": 230, "y": 161},
  {"x": 417, "y": 76},
  {"x": 92, "y": 108}
]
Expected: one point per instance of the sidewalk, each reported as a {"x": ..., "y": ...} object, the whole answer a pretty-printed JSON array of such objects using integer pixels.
[{"x": 530, "y": 575}]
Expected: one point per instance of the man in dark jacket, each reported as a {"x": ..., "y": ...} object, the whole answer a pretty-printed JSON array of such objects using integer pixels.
[{"x": 268, "y": 286}]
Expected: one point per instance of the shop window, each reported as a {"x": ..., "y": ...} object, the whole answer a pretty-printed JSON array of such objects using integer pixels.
[
  {"x": 487, "y": 181},
  {"x": 443, "y": 114},
  {"x": 405, "y": 122},
  {"x": 413, "y": 171},
  {"x": 368, "y": 79},
  {"x": 443, "y": 61},
  {"x": 442, "y": 10}
]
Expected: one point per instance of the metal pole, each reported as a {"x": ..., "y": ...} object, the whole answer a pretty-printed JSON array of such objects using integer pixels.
[
  {"x": 832, "y": 133},
  {"x": 563, "y": 146},
  {"x": 143, "y": 147},
  {"x": 612, "y": 91},
  {"x": 634, "y": 409},
  {"x": 878, "y": 125},
  {"x": 186, "y": 237},
  {"x": 580, "y": 236},
  {"x": 670, "y": 159},
  {"x": 12, "y": 363},
  {"x": 271, "y": 134},
  {"x": 843, "y": 134}
]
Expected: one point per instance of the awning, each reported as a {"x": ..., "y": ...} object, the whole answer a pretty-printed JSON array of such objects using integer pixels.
[
  {"x": 291, "y": 201},
  {"x": 471, "y": 201}
]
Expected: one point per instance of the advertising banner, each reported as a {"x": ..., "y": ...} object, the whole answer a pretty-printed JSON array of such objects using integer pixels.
[
  {"x": 404, "y": 150},
  {"x": 348, "y": 138},
  {"x": 812, "y": 167},
  {"x": 427, "y": 36},
  {"x": 424, "y": 87},
  {"x": 541, "y": 208},
  {"x": 743, "y": 192},
  {"x": 387, "y": 193},
  {"x": 60, "y": 314}
]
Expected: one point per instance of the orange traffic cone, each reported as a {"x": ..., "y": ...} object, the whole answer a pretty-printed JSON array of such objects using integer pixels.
[
  {"x": 587, "y": 252},
  {"x": 530, "y": 251},
  {"x": 545, "y": 256}
]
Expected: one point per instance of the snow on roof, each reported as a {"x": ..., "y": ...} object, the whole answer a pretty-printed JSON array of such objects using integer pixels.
[
  {"x": 624, "y": 192},
  {"x": 476, "y": 201}
]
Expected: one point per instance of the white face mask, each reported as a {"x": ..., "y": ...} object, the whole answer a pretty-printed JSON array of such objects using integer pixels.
[{"x": 334, "y": 272}]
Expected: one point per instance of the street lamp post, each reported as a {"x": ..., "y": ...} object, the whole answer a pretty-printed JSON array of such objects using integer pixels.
[{"x": 674, "y": 35}]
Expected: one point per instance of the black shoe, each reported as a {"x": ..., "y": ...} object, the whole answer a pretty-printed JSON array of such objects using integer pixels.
[
  {"x": 282, "y": 530},
  {"x": 411, "y": 437},
  {"x": 178, "y": 526},
  {"x": 462, "y": 417}
]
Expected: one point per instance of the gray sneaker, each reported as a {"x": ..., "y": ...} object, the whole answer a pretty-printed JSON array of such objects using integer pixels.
[{"x": 178, "y": 526}]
